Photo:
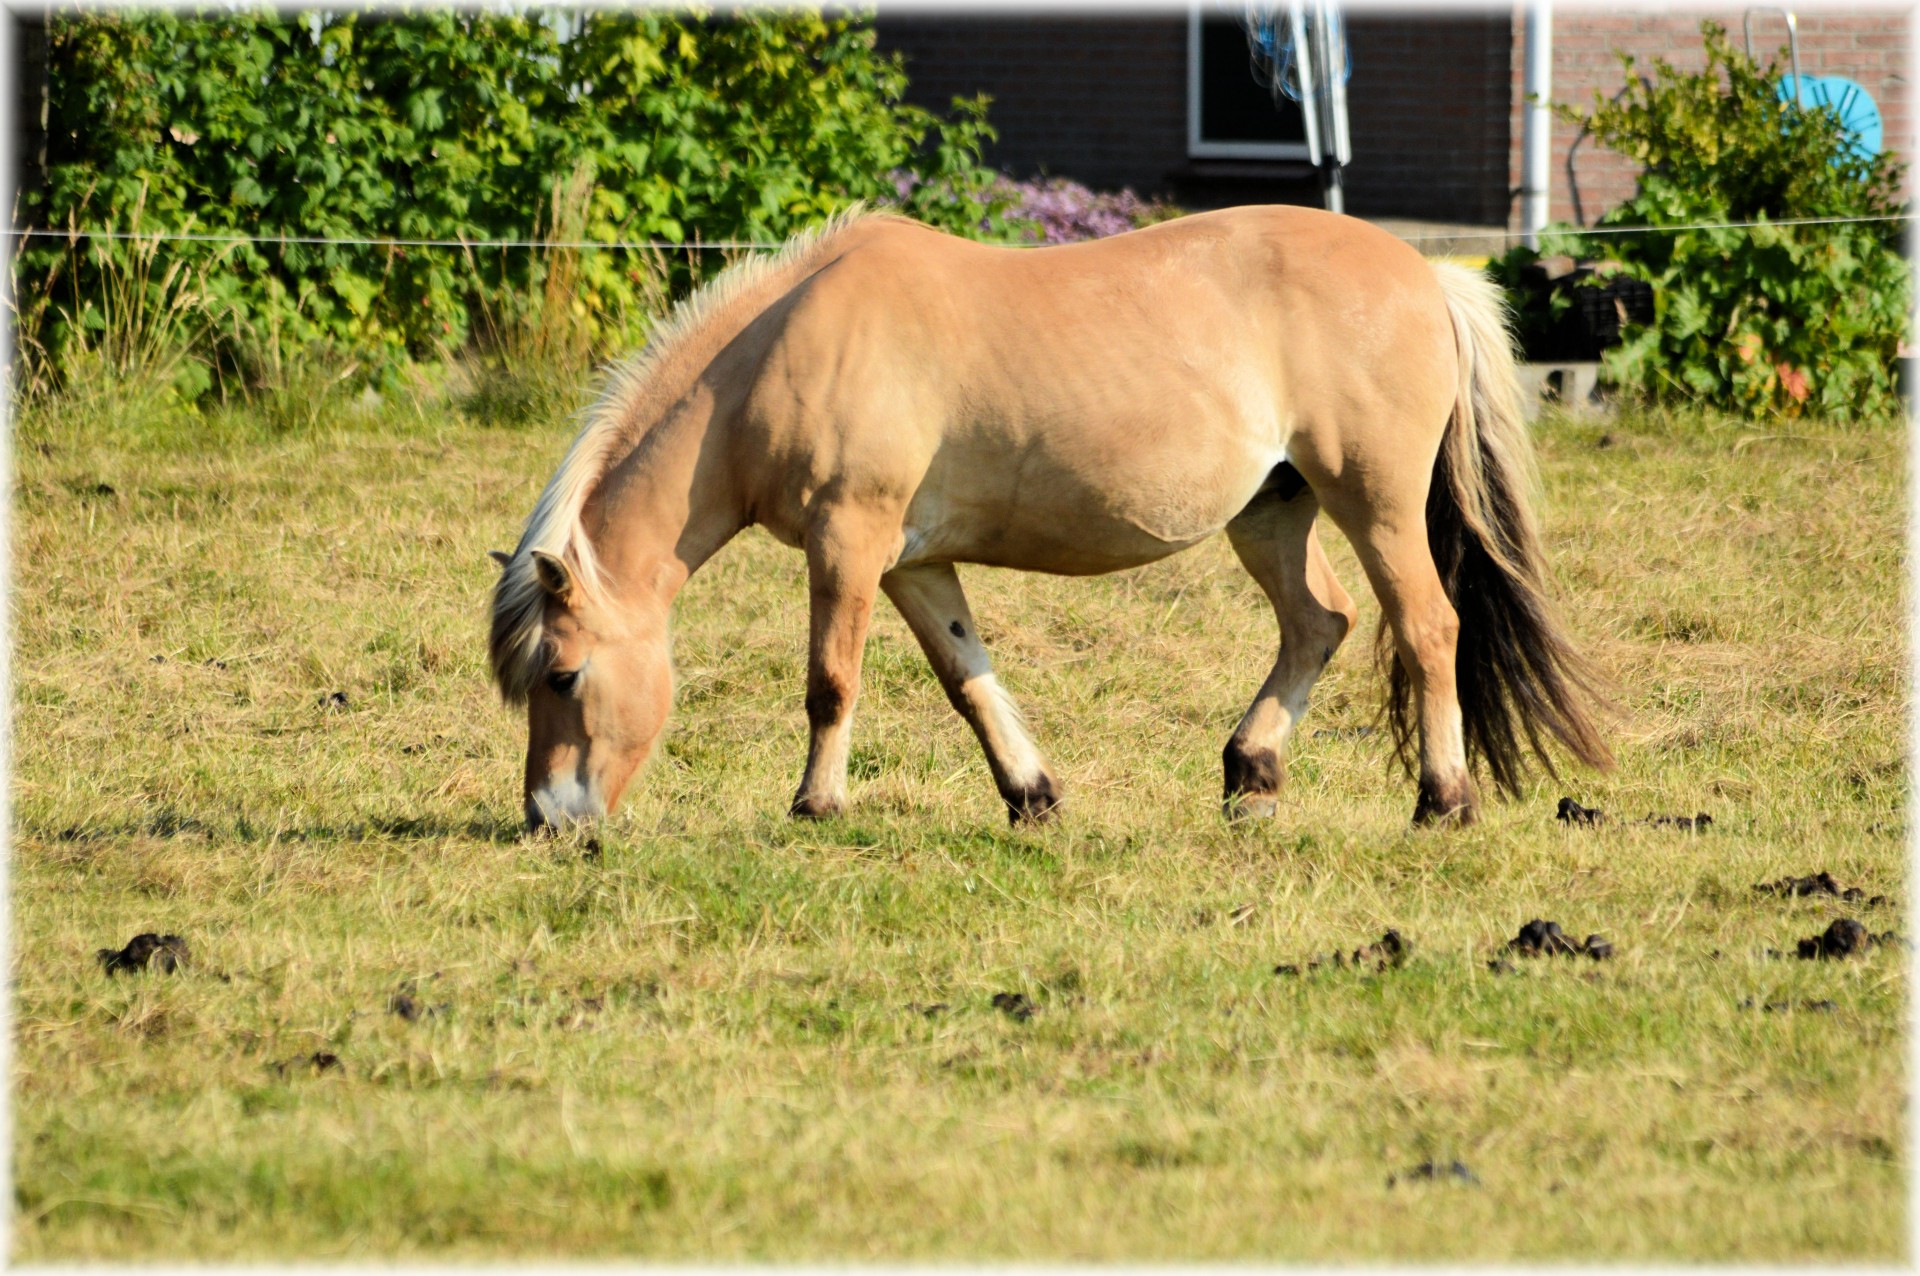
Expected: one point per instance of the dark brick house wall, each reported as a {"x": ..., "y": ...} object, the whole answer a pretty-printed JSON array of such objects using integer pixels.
[
  {"x": 1103, "y": 99},
  {"x": 1427, "y": 113},
  {"x": 1434, "y": 104}
]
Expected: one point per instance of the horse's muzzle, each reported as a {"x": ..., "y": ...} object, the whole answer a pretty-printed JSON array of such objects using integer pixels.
[{"x": 554, "y": 805}]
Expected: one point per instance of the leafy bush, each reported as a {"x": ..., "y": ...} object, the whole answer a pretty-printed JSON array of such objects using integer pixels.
[
  {"x": 1781, "y": 320},
  {"x": 447, "y": 125}
]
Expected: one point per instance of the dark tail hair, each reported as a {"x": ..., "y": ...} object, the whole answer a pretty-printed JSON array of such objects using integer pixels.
[{"x": 1520, "y": 680}]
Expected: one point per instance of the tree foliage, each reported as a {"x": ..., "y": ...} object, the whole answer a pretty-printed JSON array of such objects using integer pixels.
[{"x": 462, "y": 125}]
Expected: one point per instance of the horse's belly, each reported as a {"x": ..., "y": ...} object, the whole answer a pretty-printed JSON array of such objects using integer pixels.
[{"x": 1082, "y": 510}]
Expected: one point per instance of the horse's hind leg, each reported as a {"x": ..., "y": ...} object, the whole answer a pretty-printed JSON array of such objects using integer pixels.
[
  {"x": 1388, "y": 528},
  {"x": 1276, "y": 542},
  {"x": 845, "y": 556},
  {"x": 930, "y": 598}
]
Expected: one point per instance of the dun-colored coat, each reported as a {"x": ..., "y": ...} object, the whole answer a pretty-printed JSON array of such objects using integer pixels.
[{"x": 892, "y": 401}]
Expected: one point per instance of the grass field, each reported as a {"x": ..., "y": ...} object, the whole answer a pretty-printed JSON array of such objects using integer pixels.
[{"x": 712, "y": 1040}]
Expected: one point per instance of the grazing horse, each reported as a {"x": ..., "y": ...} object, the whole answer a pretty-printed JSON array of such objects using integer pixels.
[{"x": 891, "y": 400}]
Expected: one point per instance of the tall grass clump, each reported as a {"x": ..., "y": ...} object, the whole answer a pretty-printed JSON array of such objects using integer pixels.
[
  {"x": 137, "y": 341},
  {"x": 535, "y": 337}
]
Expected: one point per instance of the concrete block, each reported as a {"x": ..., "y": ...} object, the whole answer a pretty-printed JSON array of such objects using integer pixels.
[{"x": 1574, "y": 386}]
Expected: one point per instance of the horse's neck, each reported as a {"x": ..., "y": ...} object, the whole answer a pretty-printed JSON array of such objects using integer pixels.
[
  {"x": 667, "y": 506},
  {"x": 660, "y": 513}
]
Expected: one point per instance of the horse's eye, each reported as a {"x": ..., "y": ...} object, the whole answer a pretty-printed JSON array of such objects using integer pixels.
[{"x": 562, "y": 681}]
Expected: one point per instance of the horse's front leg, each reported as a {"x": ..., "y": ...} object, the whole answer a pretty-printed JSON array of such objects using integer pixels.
[
  {"x": 930, "y": 598},
  {"x": 845, "y": 557}
]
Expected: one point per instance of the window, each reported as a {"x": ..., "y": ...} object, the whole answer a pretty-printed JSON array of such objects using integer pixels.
[{"x": 1230, "y": 113}]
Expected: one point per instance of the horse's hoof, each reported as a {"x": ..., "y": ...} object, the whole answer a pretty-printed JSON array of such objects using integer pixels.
[
  {"x": 1252, "y": 774},
  {"x": 1035, "y": 803},
  {"x": 816, "y": 808},
  {"x": 1249, "y": 806},
  {"x": 1445, "y": 804},
  {"x": 1455, "y": 817}
]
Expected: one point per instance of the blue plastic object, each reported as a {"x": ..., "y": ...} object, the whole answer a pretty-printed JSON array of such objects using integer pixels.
[
  {"x": 1855, "y": 106},
  {"x": 1275, "y": 47}
]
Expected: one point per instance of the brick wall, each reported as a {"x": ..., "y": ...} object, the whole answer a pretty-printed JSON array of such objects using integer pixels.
[
  {"x": 1866, "y": 44},
  {"x": 1103, "y": 99},
  {"x": 1427, "y": 112}
]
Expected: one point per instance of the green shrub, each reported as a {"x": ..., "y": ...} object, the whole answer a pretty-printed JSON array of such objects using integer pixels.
[
  {"x": 447, "y": 125},
  {"x": 1770, "y": 320}
]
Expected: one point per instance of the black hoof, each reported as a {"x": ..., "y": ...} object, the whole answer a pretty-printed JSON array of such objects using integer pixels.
[
  {"x": 816, "y": 808},
  {"x": 1253, "y": 781},
  {"x": 1445, "y": 804},
  {"x": 1035, "y": 803}
]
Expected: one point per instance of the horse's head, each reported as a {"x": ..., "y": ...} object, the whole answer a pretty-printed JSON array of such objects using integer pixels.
[{"x": 595, "y": 678}]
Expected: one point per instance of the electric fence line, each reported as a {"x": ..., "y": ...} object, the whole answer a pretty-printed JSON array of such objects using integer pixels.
[{"x": 734, "y": 245}]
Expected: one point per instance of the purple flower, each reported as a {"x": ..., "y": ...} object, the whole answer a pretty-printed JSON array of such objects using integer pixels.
[{"x": 1067, "y": 212}]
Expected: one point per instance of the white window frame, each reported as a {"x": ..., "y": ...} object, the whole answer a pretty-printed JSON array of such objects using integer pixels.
[{"x": 1197, "y": 146}]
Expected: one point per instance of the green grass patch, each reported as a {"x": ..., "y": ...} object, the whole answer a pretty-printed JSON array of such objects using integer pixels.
[{"x": 251, "y": 707}]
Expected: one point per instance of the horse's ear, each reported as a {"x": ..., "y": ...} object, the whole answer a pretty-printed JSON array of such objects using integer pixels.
[
  {"x": 501, "y": 557},
  {"x": 555, "y": 576}
]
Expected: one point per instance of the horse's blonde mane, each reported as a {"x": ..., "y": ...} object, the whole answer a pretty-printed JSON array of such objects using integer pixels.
[{"x": 610, "y": 427}]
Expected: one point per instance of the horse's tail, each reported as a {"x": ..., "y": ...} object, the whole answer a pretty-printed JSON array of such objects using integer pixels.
[{"x": 1520, "y": 680}]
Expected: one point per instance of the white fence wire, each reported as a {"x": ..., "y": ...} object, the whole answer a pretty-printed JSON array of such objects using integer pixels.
[{"x": 737, "y": 245}]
